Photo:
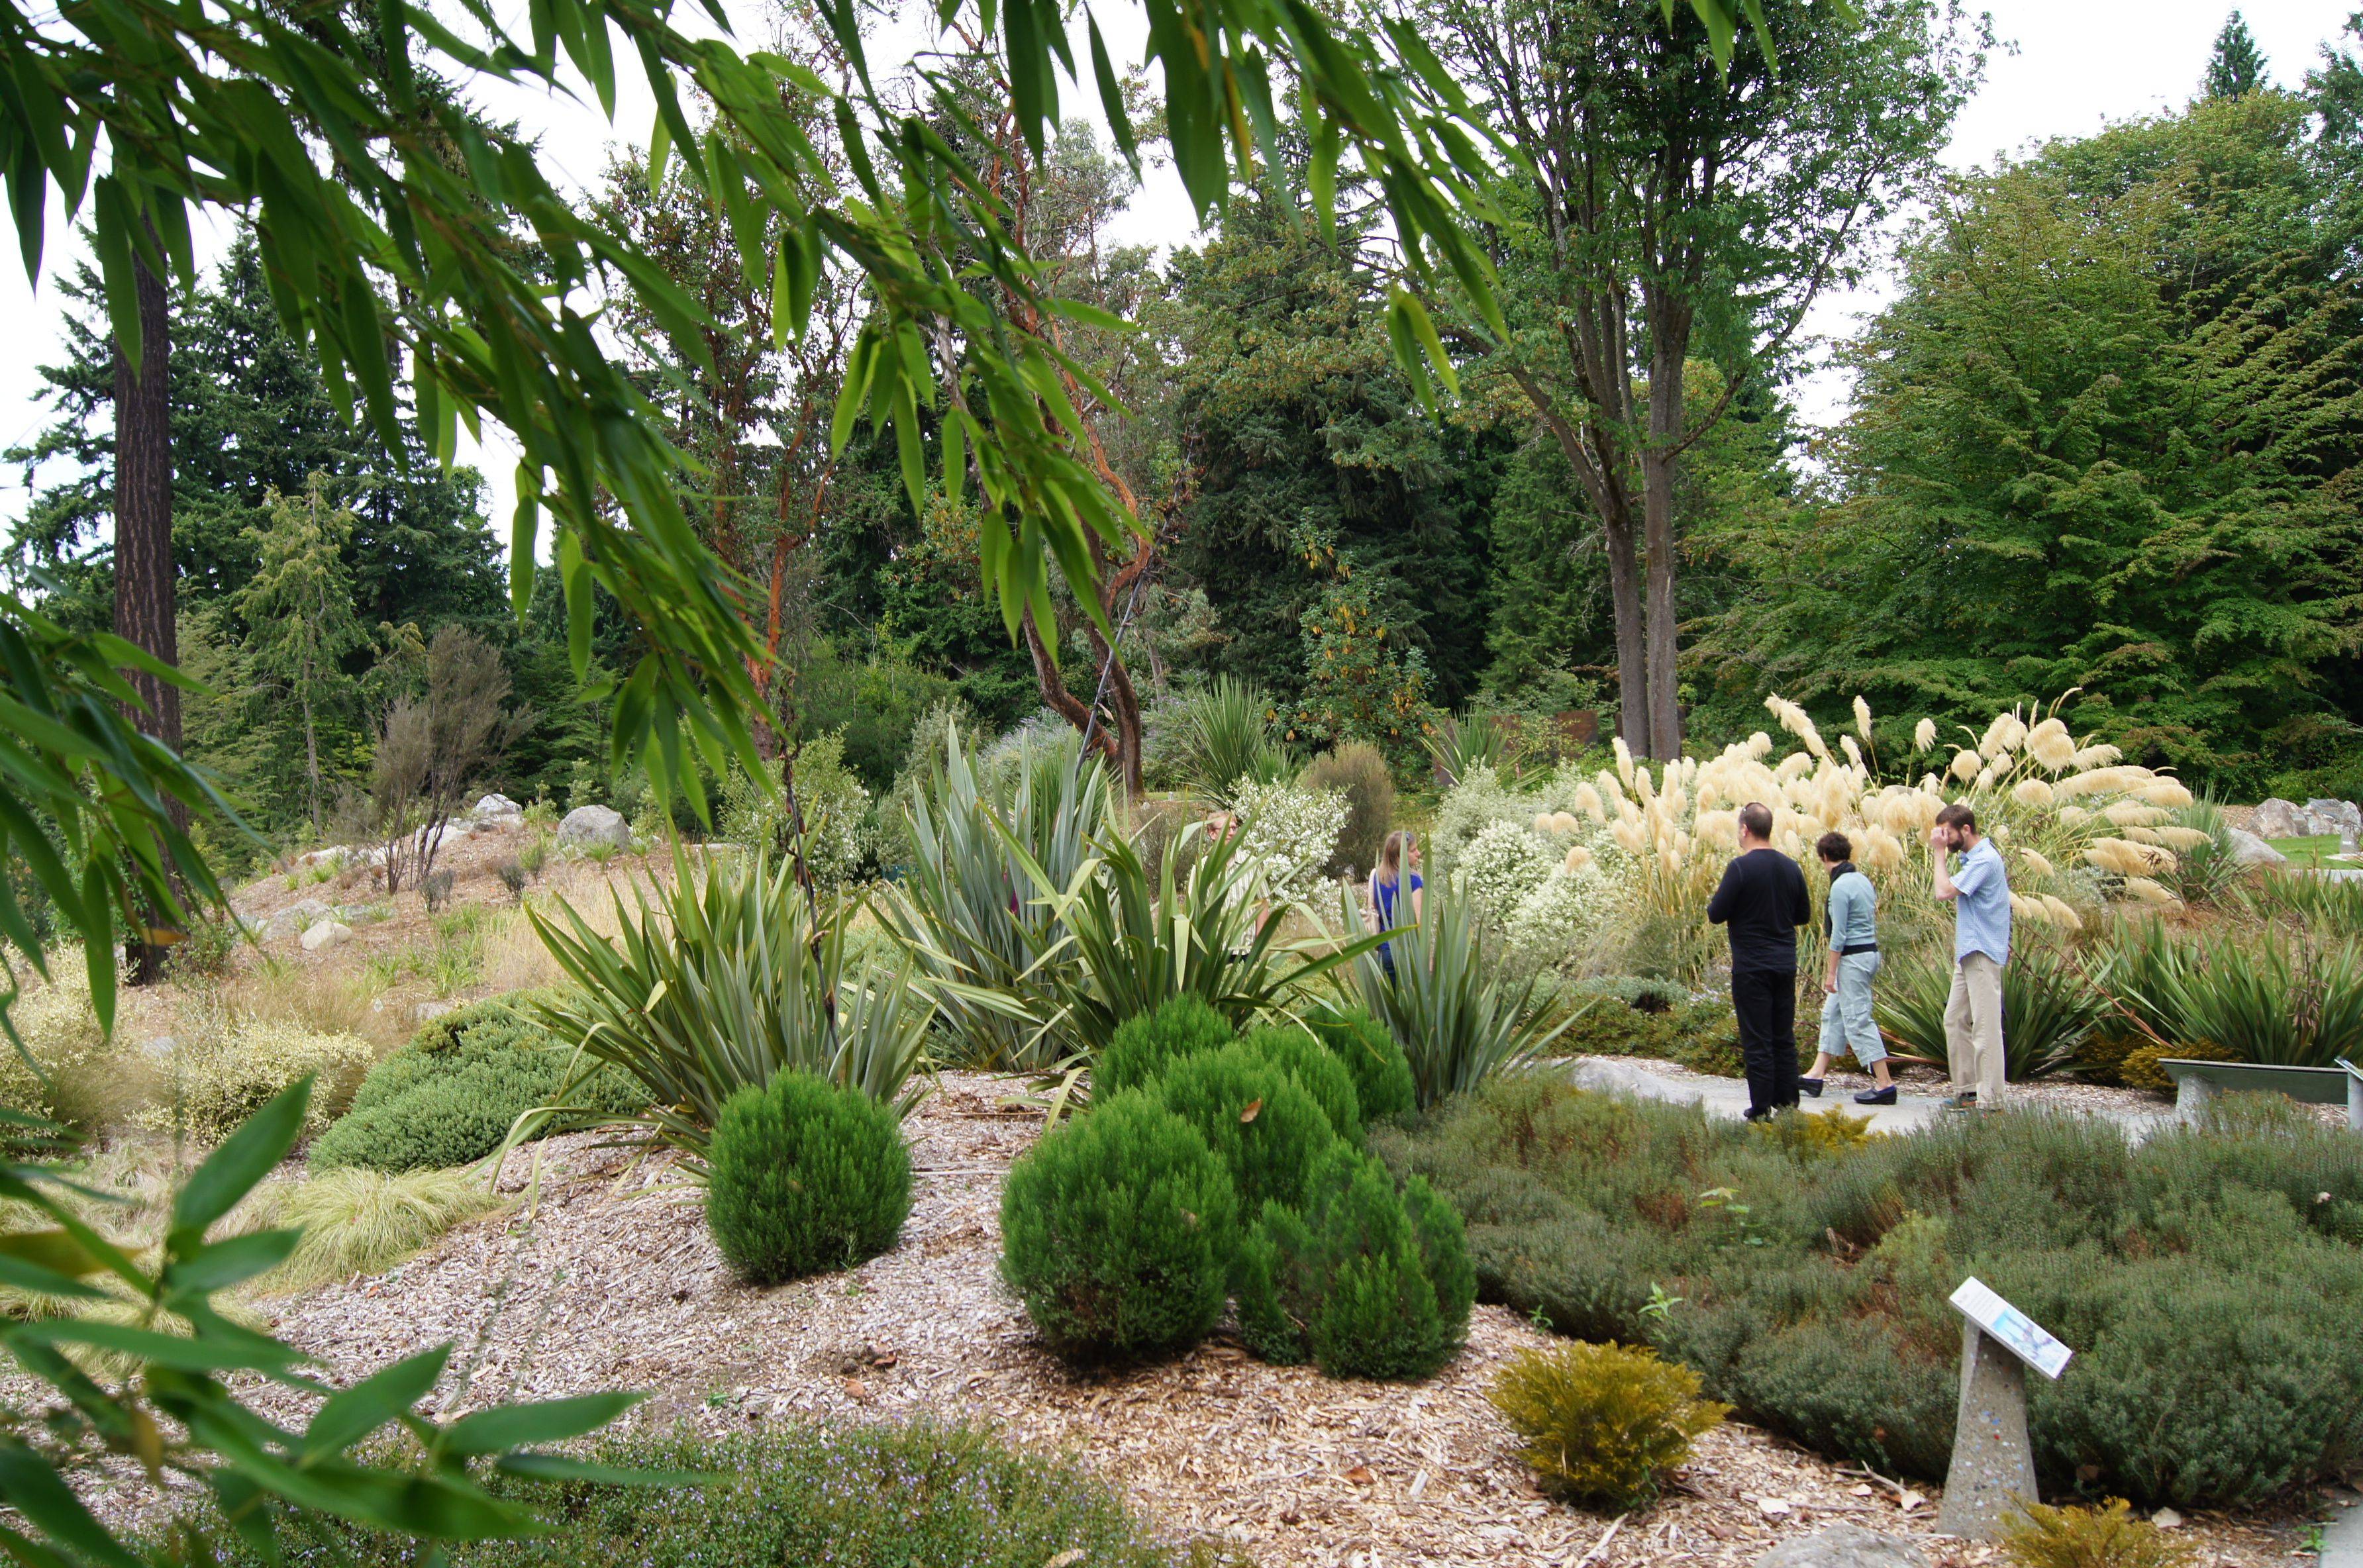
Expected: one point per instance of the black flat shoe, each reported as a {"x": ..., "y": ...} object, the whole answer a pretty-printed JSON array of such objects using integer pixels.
[
  {"x": 1812, "y": 1087},
  {"x": 1877, "y": 1095}
]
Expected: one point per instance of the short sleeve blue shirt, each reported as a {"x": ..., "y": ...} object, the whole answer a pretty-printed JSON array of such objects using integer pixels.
[{"x": 1981, "y": 913}]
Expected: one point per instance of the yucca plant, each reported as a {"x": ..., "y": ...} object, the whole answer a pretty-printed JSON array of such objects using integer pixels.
[
  {"x": 1228, "y": 735},
  {"x": 717, "y": 981},
  {"x": 1142, "y": 938},
  {"x": 2048, "y": 1008},
  {"x": 997, "y": 959},
  {"x": 2206, "y": 870},
  {"x": 1459, "y": 746},
  {"x": 2319, "y": 905},
  {"x": 2280, "y": 1000},
  {"x": 1447, "y": 1002}
]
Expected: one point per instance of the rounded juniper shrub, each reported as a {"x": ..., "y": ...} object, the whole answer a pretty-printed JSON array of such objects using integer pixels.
[
  {"x": 1374, "y": 1058},
  {"x": 1317, "y": 1071},
  {"x": 1261, "y": 1124},
  {"x": 1117, "y": 1231},
  {"x": 1365, "y": 1282},
  {"x": 1145, "y": 1045},
  {"x": 805, "y": 1176}
]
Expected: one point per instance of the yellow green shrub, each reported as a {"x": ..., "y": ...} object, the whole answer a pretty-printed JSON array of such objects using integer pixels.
[
  {"x": 1806, "y": 1135},
  {"x": 78, "y": 1082},
  {"x": 1604, "y": 1423},
  {"x": 2108, "y": 1537},
  {"x": 2140, "y": 1069},
  {"x": 214, "y": 1081}
]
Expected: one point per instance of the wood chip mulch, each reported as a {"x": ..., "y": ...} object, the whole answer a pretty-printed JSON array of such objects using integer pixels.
[{"x": 603, "y": 1278}]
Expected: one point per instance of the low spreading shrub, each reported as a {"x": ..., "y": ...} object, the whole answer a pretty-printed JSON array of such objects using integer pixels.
[
  {"x": 805, "y": 1176},
  {"x": 2201, "y": 1276},
  {"x": 1362, "y": 1280},
  {"x": 1631, "y": 1017},
  {"x": 451, "y": 1095},
  {"x": 1144, "y": 1047},
  {"x": 1603, "y": 1424},
  {"x": 1317, "y": 1071},
  {"x": 214, "y": 1080},
  {"x": 2106, "y": 1536},
  {"x": 872, "y": 1497},
  {"x": 1382, "y": 1074},
  {"x": 2138, "y": 1068},
  {"x": 1265, "y": 1129},
  {"x": 1117, "y": 1230}
]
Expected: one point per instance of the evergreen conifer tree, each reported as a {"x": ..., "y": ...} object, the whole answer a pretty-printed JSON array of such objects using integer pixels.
[
  {"x": 298, "y": 608},
  {"x": 2236, "y": 68}
]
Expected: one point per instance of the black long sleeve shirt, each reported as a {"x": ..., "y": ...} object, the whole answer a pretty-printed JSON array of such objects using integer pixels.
[{"x": 1762, "y": 898}]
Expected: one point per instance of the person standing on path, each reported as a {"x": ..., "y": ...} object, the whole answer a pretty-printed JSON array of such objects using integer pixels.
[
  {"x": 1979, "y": 893},
  {"x": 1847, "y": 1020},
  {"x": 1762, "y": 899}
]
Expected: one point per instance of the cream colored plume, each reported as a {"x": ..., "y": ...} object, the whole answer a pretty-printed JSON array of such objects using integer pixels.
[
  {"x": 2037, "y": 863},
  {"x": 2032, "y": 792},
  {"x": 2164, "y": 792},
  {"x": 2002, "y": 736},
  {"x": 2178, "y": 837},
  {"x": 2125, "y": 857},
  {"x": 1880, "y": 850},
  {"x": 2062, "y": 915},
  {"x": 1923, "y": 735},
  {"x": 2132, "y": 813},
  {"x": 1577, "y": 858},
  {"x": 1861, "y": 717},
  {"x": 1966, "y": 765},
  {"x": 2099, "y": 756},
  {"x": 1853, "y": 752},
  {"x": 2149, "y": 892},
  {"x": 1623, "y": 758},
  {"x": 1759, "y": 745},
  {"x": 1587, "y": 800},
  {"x": 2050, "y": 744}
]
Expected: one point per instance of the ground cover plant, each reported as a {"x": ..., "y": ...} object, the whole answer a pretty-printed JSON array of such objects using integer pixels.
[
  {"x": 2201, "y": 1277},
  {"x": 452, "y": 1095},
  {"x": 921, "y": 1493}
]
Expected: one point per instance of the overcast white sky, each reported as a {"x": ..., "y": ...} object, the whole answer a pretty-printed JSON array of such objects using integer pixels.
[{"x": 2065, "y": 67}]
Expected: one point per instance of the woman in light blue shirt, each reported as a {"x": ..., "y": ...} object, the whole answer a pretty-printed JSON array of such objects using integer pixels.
[{"x": 1847, "y": 1020}]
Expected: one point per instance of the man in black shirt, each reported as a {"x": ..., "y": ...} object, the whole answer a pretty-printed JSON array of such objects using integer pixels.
[{"x": 1762, "y": 899}]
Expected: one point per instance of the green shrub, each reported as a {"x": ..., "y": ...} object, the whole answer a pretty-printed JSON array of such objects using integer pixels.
[
  {"x": 1357, "y": 770},
  {"x": 2109, "y": 1537},
  {"x": 1604, "y": 1423},
  {"x": 2202, "y": 1275},
  {"x": 1382, "y": 1073},
  {"x": 805, "y": 1176},
  {"x": 1364, "y": 1281},
  {"x": 1264, "y": 1128},
  {"x": 451, "y": 1096},
  {"x": 1117, "y": 1230},
  {"x": 214, "y": 1080},
  {"x": 1635, "y": 1017},
  {"x": 1317, "y": 1071},
  {"x": 875, "y": 1496},
  {"x": 1144, "y": 1047}
]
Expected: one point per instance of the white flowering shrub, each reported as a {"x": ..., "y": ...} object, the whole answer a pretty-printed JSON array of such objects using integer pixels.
[
  {"x": 1560, "y": 916},
  {"x": 1288, "y": 836},
  {"x": 1504, "y": 863},
  {"x": 835, "y": 808}
]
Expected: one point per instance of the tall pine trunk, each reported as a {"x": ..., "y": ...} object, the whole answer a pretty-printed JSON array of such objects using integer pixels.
[{"x": 144, "y": 600}]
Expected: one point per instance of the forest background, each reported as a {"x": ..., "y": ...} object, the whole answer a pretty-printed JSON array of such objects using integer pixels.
[{"x": 2105, "y": 437}]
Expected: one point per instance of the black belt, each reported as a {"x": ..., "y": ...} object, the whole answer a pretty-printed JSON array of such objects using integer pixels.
[{"x": 1864, "y": 947}]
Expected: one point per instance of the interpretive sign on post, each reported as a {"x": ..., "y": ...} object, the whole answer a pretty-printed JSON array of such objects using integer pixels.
[
  {"x": 2019, "y": 1334},
  {"x": 1992, "y": 1474}
]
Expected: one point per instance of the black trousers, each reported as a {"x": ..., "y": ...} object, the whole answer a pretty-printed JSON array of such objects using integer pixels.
[{"x": 1766, "y": 1002}]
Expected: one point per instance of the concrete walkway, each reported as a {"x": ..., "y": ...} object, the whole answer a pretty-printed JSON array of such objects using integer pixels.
[
  {"x": 2342, "y": 1539},
  {"x": 1728, "y": 1098}
]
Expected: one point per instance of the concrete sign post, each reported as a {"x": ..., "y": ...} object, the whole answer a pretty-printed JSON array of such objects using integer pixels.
[{"x": 1992, "y": 1474}]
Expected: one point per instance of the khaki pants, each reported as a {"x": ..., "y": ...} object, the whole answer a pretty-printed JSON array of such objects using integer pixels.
[{"x": 1973, "y": 1028}]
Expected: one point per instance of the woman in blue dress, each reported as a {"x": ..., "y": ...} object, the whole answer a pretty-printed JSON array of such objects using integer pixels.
[{"x": 1398, "y": 858}]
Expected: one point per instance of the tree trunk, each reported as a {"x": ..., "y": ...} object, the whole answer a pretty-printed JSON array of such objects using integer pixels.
[
  {"x": 1632, "y": 655},
  {"x": 144, "y": 599},
  {"x": 1658, "y": 457}
]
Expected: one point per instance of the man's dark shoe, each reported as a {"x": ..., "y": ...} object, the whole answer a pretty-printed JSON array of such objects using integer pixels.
[
  {"x": 1877, "y": 1095},
  {"x": 1966, "y": 1100},
  {"x": 1811, "y": 1087},
  {"x": 1752, "y": 1114}
]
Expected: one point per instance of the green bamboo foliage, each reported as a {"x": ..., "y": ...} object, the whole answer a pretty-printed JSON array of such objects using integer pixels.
[
  {"x": 1457, "y": 1020},
  {"x": 720, "y": 981},
  {"x": 997, "y": 959}
]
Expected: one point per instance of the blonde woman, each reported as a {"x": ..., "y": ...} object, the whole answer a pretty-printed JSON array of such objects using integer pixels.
[{"x": 1398, "y": 858}]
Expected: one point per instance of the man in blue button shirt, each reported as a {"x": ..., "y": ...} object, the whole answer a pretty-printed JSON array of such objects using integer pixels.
[{"x": 1979, "y": 892}]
